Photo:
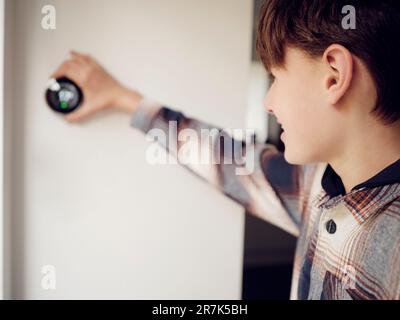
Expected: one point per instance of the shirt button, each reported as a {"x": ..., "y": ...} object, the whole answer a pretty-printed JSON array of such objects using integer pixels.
[{"x": 331, "y": 226}]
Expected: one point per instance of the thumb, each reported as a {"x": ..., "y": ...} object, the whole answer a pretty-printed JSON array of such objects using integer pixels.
[{"x": 81, "y": 113}]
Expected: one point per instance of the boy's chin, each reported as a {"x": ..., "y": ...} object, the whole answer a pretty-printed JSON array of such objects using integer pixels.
[{"x": 296, "y": 157}]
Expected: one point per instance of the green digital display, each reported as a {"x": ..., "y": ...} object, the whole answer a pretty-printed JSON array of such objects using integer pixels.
[{"x": 64, "y": 105}]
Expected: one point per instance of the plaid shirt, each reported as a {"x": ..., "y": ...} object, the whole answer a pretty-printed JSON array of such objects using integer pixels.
[{"x": 348, "y": 245}]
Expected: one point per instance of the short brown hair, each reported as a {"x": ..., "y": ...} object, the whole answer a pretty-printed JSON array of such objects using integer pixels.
[{"x": 313, "y": 25}]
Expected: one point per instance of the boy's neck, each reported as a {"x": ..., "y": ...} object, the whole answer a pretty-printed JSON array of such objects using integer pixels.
[{"x": 367, "y": 153}]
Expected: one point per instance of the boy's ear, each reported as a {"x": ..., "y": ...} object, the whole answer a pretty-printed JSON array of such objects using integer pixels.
[{"x": 339, "y": 63}]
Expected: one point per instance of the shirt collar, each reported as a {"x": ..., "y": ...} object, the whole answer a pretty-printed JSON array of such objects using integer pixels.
[
  {"x": 333, "y": 185},
  {"x": 365, "y": 198},
  {"x": 361, "y": 202}
]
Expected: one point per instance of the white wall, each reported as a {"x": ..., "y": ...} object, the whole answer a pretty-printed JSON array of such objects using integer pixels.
[{"x": 83, "y": 198}]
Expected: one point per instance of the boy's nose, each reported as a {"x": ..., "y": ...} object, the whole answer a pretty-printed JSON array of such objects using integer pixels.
[
  {"x": 268, "y": 105},
  {"x": 268, "y": 101}
]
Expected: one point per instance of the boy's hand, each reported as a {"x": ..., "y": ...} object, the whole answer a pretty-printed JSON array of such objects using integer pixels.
[{"x": 101, "y": 91}]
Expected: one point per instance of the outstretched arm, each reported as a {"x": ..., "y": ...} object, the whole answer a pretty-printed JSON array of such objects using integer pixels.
[{"x": 257, "y": 177}]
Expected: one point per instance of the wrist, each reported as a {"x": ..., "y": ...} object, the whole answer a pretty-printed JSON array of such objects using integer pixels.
[{"x": 126, "y": 100}]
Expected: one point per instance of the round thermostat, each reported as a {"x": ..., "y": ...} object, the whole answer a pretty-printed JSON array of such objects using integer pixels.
[{"x": 63, "y": 95}]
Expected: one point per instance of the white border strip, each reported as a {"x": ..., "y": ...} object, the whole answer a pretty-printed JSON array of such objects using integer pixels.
[{"x": 2, "y": 110}]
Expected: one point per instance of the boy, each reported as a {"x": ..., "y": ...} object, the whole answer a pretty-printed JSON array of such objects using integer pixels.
[{"x": 337, "y": 185}]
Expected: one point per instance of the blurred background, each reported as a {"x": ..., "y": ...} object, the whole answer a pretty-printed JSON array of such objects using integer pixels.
[{"x": 85, "y": 216}]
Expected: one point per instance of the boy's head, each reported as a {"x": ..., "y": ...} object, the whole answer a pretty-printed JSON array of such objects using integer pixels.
[{"x": 329, "y": 81}]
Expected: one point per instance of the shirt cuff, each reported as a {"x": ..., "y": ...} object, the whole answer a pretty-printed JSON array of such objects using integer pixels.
[{"x": 144, "y": 114}]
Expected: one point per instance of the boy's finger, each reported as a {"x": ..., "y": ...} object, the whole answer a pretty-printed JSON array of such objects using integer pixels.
[
  {"x": 69, "y": 69},
  {"x": 85, "y": 58},
  {"x": 77, "y": 56},
  {"x": 81, "y": 113},
  {"x": 63, "y": 68}
]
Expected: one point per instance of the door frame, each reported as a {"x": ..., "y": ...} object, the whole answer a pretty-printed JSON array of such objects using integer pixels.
[{"x": 3, "y": 247}]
